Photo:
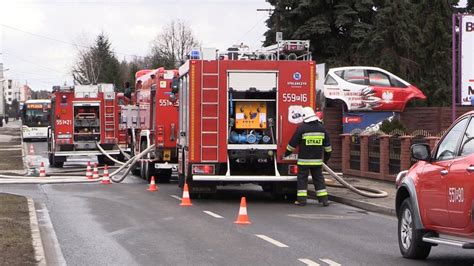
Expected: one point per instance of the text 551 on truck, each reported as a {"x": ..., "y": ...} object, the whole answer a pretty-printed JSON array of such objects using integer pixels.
[{"x": 237, "y": 113}]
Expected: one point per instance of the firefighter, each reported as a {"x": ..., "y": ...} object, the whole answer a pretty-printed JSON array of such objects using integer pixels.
[{"x": 315, "y": 148}]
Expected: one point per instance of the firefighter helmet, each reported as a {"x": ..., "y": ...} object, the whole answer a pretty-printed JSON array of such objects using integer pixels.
[{"x": 309, "y": 115}]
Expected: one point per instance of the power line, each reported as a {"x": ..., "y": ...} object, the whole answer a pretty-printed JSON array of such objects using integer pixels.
[
  {"x": 61, "y": 41},
  {"x": 38, "y": 65},
  {"x": 252, "y": 28}
]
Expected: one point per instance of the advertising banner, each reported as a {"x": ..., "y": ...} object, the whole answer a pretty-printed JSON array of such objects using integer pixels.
[
  {"x": 467, "y": 60},
  {"x": 368, "y": 122}
]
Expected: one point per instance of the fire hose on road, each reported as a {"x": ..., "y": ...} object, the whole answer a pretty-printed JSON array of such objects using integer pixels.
[
  {"x": 363, "y": 191},
  {"x": 129, "y": 164}
]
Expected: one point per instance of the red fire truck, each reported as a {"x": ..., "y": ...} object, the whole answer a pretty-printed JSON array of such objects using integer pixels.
[
  {"x": 238, "y": 111},
  {"x": 83, "y": 117},
  {"x": 156, "y": 123}
]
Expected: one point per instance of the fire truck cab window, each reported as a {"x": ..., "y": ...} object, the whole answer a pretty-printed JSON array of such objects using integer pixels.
[{"x": 356, "y": 76}]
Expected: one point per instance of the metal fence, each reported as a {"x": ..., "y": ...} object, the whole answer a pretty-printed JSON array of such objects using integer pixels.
[{"x": 354, "y": 158}]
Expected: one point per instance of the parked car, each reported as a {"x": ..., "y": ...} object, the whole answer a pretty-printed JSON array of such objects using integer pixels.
[
  {"x": 369, "y": 88},
  {"x": 434, "y": 201}
]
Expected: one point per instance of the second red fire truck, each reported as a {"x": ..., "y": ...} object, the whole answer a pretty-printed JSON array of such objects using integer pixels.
[{"x": 154, "y": 120}]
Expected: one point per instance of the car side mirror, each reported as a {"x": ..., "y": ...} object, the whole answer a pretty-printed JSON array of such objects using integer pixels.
[
  {"x": 175, "y": 85},
  {"x": 421, "y": 152}
]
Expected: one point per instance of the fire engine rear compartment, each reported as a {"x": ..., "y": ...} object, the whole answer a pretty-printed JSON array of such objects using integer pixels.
[
  {"x": 251, "y": 134},
  {"x": 251, "y": 138},
  {"x": 86, "y": 125}
]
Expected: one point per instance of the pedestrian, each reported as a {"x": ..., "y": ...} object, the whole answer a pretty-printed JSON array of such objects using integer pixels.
[{"x": 314, "y": 149}]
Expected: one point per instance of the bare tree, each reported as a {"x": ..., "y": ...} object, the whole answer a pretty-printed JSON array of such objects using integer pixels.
[
  {"x": 87, "y": 68},
  {"x": 171, "y": 45}
]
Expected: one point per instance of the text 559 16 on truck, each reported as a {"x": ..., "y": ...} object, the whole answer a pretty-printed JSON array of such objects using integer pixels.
[
  {"x": 237, "y": 113},
  {"x": 435, "y": 196}
]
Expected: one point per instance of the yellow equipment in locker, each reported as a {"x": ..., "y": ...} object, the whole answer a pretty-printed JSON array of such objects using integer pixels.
[{"x": 250, "y": 115}]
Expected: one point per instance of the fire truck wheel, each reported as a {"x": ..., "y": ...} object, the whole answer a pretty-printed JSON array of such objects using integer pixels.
[{"x": 145, "y": 171}]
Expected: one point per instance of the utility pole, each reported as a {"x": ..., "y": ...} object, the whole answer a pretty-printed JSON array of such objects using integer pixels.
[{"x": 277, "y": 11}]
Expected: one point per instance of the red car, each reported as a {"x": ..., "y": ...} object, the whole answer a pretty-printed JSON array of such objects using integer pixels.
[{"x": 434, "y": 201}]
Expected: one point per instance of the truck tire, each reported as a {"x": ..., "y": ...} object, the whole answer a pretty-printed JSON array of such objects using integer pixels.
[
  {"x": 145, "y": 172},
  {"x": 409, "y": 239}
]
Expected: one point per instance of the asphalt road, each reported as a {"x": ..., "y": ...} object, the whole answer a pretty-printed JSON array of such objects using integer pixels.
[{"x": 123, "y": 224}]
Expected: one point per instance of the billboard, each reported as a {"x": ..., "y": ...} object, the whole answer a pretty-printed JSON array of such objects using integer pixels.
[
  {"x": 367, "y": 122},
  {"x": 467, "y": 60}
]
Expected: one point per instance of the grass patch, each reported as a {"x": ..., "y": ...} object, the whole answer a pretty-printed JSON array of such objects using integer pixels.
[{"x": 16, "y": 246}]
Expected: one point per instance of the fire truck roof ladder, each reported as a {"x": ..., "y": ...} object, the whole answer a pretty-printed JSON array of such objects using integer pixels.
[
  {"x": 209, "y": 110},
  {"x": 109, "y": 118}
]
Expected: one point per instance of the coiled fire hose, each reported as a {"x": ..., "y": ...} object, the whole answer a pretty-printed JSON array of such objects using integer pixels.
[{"x": 363, "y": 191}]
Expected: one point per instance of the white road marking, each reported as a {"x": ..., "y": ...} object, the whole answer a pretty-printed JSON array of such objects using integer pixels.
[
  {"x": 273, "y": 241},
  {"x": 331, "y": 262},
  {"x": 215, "y": 215},
  {"x": 309, "y": 262},
  {"x": 176, "y": 197}
]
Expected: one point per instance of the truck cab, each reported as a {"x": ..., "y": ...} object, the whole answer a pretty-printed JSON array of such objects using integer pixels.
[{"x": 434, "y": 200}]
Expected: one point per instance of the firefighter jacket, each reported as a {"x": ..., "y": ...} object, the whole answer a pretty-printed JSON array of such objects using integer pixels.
[{"x": 313, "y": 142}]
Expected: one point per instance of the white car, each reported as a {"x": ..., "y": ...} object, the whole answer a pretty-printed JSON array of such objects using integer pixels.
[{"x": 369, "y": 89}]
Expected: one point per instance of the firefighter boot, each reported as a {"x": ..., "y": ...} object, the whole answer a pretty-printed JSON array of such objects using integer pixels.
[
  {"x": 300, "y": 201},
  {"x": 324, "y": 200}
]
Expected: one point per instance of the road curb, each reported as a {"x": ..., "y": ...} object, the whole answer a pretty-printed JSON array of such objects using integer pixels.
[
  {"x": 358, "y": 204},
  {"x": 35, "y": 234}
]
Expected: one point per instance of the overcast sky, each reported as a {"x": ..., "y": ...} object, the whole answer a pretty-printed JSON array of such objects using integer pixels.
[{"x": 130, "y": 24}]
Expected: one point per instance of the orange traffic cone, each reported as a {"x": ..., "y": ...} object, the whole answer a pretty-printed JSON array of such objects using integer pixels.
[
  {"x": 186, "y": 201},
  {"x": 243, "y": 218},
  {"x": 42, "y": 170},
  {"x": 153, "y": 186},
  {"x": 95, "y": 174},
  {"x": 89, "y": 171},
  {"x": 32, "y": 149},
  {"x": 105, "y": 177}
]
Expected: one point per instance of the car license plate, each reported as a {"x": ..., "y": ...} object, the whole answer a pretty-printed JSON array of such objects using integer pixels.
[{"x": 167, "y": 155}]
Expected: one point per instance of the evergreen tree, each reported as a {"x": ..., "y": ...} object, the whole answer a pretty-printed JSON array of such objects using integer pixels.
[
  {"x": 97, "y": 64},
  {"x": 435, "y": 22},
  {"x": 411, "y": 38}
]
